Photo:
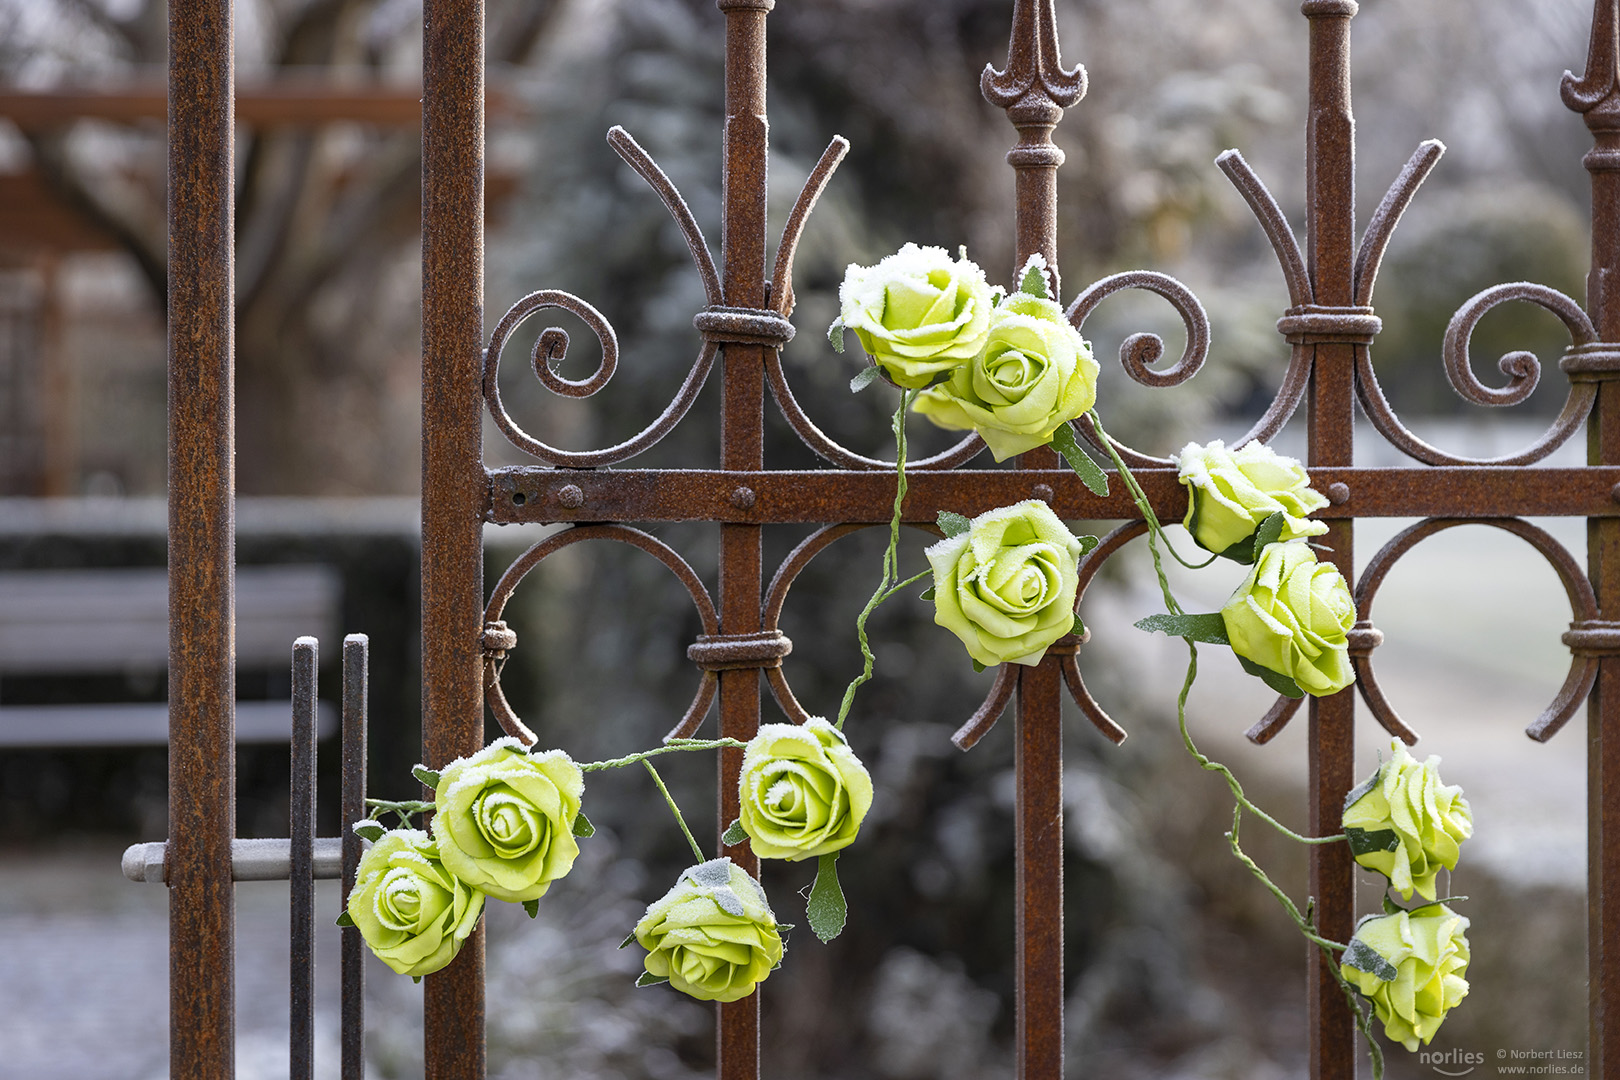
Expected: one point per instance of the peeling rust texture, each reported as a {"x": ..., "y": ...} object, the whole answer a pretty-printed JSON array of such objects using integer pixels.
[
  {"x": 453, "y": 484},
  {"x": 202, "y": 542}
]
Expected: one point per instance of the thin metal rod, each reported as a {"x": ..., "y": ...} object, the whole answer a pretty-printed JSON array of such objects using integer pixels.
[
  {"x": 202, "y": 540},
  {"x": 1330, "y": 157},
  {"x": 260, "y": 859},
  {"x": 453, "y": 478},
  {"x": 301, "y": 869},
  {"x": 356, "y": 672}
]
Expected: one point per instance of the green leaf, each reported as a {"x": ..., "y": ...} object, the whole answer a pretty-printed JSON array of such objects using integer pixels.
[
  {"x": 826, "y": 908},
  {"x": 583, "y": 826},
  {"x": 927, "y": 594},
  {"x": 867, "y": 376},
  {"x": 344, "y": 920},
  {"x": 1390, "y": 906},
  {"x": 1033, "y": 279},
  {"x": 953, "y": 525},
  {"x": 976, "y": 665},
  {"x": 1089, "y": 472},
  {"x": 1240, "y": 552},
  {"x": 427, "y": 776},
  {"x": 416, "y": 978},
  {"x": 835, "y": 334},
  {"x": 1363, "y": 842},
  {"x": 532, "y": 907},
  {"x": 1210, "y": 628},
  {"x": 1079, "y": 628},
  {"x": 1268, "y": 533},
  {"x": 734, "y": 834},
  {"x": 626, "y": 943},
  {"x": 1275, "y": 679},
  {"x": 1364, "y": 957},
  {"x": 649, "y": 979},
  {"x": 368, "y": 830}
]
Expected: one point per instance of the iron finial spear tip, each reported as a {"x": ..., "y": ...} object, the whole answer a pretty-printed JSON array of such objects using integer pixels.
[
  {"x": 1034, "y": 64},
  {"x": 1601, "y": 79}
]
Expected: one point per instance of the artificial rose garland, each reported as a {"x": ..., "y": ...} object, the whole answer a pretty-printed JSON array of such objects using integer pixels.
[
  {"x": 1405, "y": 824},
  {"x": 1230, "y": 492},
  {"x": 1034, "y": 374},
  {"x": 713, "y": 935},
  {"x": 918, "y": 313},
  {"x": 1292, "y": 616},
  {"x": 411, "y": 911},
  {"x": 1410, "y": 964},
  {"x": 804, "y": 792},
  {"x": 1006, "y": 586},
  {"x": 504, "y": 819}
]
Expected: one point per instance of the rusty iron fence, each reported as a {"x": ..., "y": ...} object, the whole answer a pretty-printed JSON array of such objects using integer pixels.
[{"x": 1330, "y": 326}]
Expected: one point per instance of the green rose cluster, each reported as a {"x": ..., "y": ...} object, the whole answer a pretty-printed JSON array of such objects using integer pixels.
[{"x": 1410, "y": 965}]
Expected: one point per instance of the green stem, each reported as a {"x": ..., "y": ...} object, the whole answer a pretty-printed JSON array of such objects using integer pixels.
[
  {"x": 403, "y": 809},
  {"x": 888, "y": 585},
  {"x": 670, "y": 747},
  {"x": 1148, "y": 516},
  {"x": 676, "y": 810}
]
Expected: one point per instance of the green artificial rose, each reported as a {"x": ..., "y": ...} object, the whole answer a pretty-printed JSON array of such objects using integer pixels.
[
  {"x": 1291, "y": 616},
  {"x": 504, "y": 819},
  {"x": 1230, "y": 492},
  {"x": 412, "y": 911},
  {"x": 1034, "y": 373},
  {"x": 804, "y": 792},
  {"x": 1006, "y": 587},
  {"x": 713, "y": 935},
  {"x": 1405, "y": 824},
  {"x": 1411, "y": 966},
  {"x": 918, "y": 313}
]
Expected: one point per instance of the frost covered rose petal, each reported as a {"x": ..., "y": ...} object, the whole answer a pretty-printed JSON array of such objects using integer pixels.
[
  {"x": 917, "y": 313},
  {"x": 713, "y": 935},
  {"x": 1006, "y": 587},
  {"x": 1230, "y": 492},
  {"x": 411, "y": 911},
  {"x": 504, "y": 819},
  {"x": 1034, "y": 373},
  {"x": 1293, "y": 616},
  {"x": 1411, "y": 965},
  {"x": 1406, "y": 824},
  {"x": 804, "y": 792}
]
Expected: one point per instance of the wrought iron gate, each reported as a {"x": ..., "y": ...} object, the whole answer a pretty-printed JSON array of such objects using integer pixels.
[{"x": 1330, "y": 326}]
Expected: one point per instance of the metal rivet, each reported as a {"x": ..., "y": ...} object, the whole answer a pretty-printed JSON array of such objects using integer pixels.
[
  {"x": 1042, "y": 491},
  {"x": 1338, "y": 493},
  {"x": 1614, "y": 493},
  {"x": 518, "y": 498},
  {"x": 571, "y": 496},
  {"x": 742, "y": 498}
]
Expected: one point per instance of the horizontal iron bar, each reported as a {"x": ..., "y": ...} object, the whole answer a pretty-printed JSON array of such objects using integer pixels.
[
  {"x": 251, "y": 860},
  {"x": 536, "y": 495}
]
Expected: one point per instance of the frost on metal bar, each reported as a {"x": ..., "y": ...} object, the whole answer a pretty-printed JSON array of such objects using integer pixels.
[{"x": 251, "y": 860}]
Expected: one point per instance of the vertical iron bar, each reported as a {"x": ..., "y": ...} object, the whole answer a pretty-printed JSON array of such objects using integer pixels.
[
  {"x": 742, "y": 446},
  {"x": 301, "y": 870},
  {"x": 356, "y": 663},
  {"x": 202, "y": 541},
  {"x": 454, "y": 483},
  {"x": 1597, "y": 96},
  {"x": 1330, "y": 149},
  {"x": 1034, "y": 89}
]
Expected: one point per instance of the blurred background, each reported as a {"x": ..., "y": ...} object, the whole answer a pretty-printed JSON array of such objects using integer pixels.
[{"x": 1178, "y": 964}]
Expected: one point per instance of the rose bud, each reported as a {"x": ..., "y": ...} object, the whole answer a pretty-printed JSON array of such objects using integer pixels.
[
  {"x": 1411, "y": 966},
  {"x": 1006, "y": 587},
  {"x": 713, "y": 935},
  {"x": 804, "y": 792},
  {"x": 1405, "y": 824},
  {"x": 1230, "y": 492},
  {"x": 918, "y": 313},
  {"x": 504, "y": 819},
  {"x": 1291, "y": 616},
  {"x": 1034, "y": 374},
  {"x": 411, "y": 911}
]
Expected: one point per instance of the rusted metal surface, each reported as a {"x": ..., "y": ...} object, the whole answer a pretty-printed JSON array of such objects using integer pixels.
[
  {"x": 453, "y": 481},
  {"x": 202, "y": 542},
  {"x": 352, "y": 961},
  {"x": 301, "y": 871}
]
